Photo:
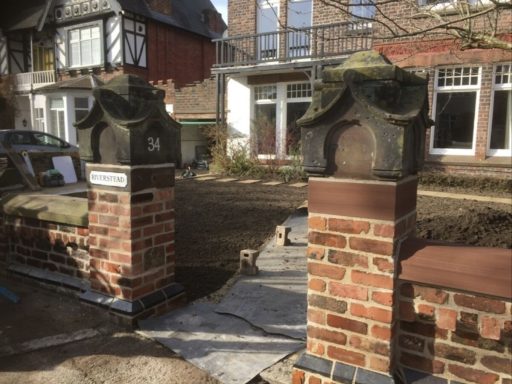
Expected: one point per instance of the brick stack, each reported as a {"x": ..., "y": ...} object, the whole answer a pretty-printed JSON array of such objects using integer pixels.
[
  {"x": 355, "y": 228},
  {"x": 455, "y": 335},
  {"x": 132, "y": 242}
]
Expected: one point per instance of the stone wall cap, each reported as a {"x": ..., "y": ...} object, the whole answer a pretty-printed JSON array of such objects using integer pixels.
[{"x": 53, "y": 208}]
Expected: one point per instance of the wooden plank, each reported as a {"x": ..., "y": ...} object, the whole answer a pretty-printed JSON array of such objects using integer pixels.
[{"x": 21, "y": 166}]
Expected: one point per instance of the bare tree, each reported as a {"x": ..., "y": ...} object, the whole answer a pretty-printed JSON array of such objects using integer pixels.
[{"x": 473, "y": 23}]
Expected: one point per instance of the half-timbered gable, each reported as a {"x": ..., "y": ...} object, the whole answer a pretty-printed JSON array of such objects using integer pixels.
[{"x": 52, "y": 47}]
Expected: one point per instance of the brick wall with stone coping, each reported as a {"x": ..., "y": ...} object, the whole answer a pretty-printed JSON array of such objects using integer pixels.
[
  {"x": 56, "y": 247},
  {"x": 383, "y": 308},
  {"x": 455, "y": 335}
]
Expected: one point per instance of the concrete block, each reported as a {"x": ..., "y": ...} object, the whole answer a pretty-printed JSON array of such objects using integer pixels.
[
  {"x": 248, "y": 262},
  {"x": 282, "y": 233}
]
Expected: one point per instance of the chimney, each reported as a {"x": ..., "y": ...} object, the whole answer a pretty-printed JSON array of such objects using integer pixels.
[{"x": 162, "y": 6}]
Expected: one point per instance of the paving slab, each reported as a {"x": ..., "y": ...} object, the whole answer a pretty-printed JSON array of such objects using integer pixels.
[
  {"x": 228, "y": 348},
  {"x": 249, "y": 181},
  {"x": 273, "y": 183},
  {"x": 205, "y": 178},
  {"x": 226, "y": 180},
  {"x": 260, "y": 321},
  {"x": 275, "y": 299},
  {"x": 299, "y": 185}
]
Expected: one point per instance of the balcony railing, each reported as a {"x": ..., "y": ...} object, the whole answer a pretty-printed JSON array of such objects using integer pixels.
[
  {"x": 32, "y": 80},
  {"x": 294, "y": 44}
]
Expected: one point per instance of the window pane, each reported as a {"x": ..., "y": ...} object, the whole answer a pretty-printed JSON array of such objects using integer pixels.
[
  {"x": 96, "y": 51},
  {"x": 85, "y": 34},
  {"x": 294, "y": 111},
  {"x": 267, "y": 23},
  {"x": 56, "y": 103},
  {"x": 501, "y": 120},
  {"x": 80, "y": 114},
  {"x": 62, "y": 127},
  {"x": 85, "y": 52},
  {"x": 455, "y": 120},
  {"x": 54, "y": 122},
  {"x": 362, "y": 8},
  {"x": 75, "y": 54},
  {"x": 265, "y": 128},
  {"x": 74, "y": 35},
  {"x": 95, "y": 33},
  {"x": 82, "y": 102}
]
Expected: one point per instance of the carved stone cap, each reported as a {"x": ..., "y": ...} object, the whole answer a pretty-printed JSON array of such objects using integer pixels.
[
  {"x": 386, "y": 89},
  {"x": 128, "y": 98}
]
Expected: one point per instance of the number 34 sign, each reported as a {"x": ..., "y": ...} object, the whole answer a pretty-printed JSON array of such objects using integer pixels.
[{"x": 153, "y": 144}]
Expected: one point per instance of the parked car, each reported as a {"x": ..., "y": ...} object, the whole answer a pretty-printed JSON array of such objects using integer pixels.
[{"x": 35, "y": 141}]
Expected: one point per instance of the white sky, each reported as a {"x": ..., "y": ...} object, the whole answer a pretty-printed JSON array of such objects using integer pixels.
[{"x": 222, "y": 7}]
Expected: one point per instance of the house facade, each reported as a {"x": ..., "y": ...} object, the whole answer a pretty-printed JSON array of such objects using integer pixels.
[
  {"x": 276, "y": 50},
  {"x": 267, "y": 65},
  {"x": 55, "y": 51}
]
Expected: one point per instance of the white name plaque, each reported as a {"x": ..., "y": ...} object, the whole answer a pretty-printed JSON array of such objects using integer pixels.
[{"x": 110, "y": 179}]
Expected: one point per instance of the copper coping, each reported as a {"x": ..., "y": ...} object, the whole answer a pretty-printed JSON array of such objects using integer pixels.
[
  {"x": 474, "y": 269},
  {"x": 379, "y": 200}
]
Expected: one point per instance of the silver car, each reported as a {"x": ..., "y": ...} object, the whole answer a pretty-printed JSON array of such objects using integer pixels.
[{"x": 34, "y": 141}]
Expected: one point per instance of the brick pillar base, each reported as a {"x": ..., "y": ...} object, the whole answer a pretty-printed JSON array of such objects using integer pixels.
[
  {"x": 131, "y": 238},
  {"x": 355, "y": 230}
]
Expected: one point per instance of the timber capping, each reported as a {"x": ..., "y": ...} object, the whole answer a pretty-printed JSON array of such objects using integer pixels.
[{"x": 478, "y": 270}]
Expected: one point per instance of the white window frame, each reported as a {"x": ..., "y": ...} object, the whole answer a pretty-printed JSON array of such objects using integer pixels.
[
  {"x": 61, "y": 132},
  {"x": 281, "y": 102},
  {"x": 454, "y": 89},
  {"x": 75, "y": 109},
  {"x": 69, "y": 50},
  {"x": 39, "y": 119},
  {"x": 498, "y": 87}
]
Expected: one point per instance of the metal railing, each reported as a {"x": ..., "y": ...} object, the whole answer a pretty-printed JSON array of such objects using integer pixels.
[
  {"x": 294, "y": 44},
  {"x": 32, "y": 80}
]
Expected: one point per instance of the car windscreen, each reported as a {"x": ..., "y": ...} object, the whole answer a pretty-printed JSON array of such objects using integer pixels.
[{"x": 44, "y": 139}]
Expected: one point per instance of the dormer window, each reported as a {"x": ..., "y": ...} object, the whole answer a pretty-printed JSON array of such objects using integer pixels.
[{"x": 85, "y": 48}]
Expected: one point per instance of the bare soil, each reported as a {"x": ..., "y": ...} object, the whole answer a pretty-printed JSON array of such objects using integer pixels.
[{"x": 215, "y": 220}]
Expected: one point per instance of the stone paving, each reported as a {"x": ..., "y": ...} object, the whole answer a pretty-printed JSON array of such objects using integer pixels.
[{"x": 260, "y": 321}]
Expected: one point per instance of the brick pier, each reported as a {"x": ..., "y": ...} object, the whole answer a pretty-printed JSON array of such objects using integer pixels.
[{"x": 131, "y": 238}]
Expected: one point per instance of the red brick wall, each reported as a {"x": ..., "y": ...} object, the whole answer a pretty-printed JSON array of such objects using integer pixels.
[
  {"x": 177, "y": 54},
  {"x": 361, "y": 314},
  {"x": 132, "y": 250},
  {"x": 192, "y": 101},
  {"x": 51, "y": 246},
  {"x": 459, "y": 336}
]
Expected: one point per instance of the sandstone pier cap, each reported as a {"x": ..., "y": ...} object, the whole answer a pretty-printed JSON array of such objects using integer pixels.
[
  {"x": 367, "y": 120},
  {"x": 128, "y": 125}
]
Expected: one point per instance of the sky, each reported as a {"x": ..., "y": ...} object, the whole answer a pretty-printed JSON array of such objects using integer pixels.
[{"x": 222, "y": 7}]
